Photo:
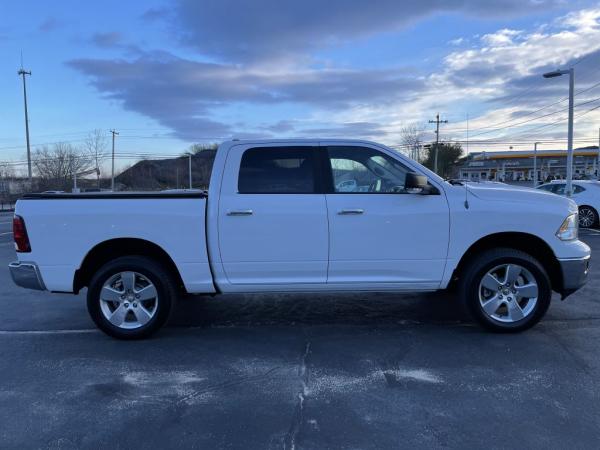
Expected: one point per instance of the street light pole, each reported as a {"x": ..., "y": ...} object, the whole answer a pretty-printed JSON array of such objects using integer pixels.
[
  {"x": 23, "y": 72},
  {"x": 598, "y": 164},
  {"x": 571, "y": 73},
  {"x": 569, "y": 187},
  {"x": 535, "y": 176}
]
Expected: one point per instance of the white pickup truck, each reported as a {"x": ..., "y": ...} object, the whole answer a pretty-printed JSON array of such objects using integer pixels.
[{"x": 303, "y": 216}]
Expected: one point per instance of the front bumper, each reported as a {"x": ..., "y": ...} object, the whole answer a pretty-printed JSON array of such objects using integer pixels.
[
  {"x": 574, "y": 274},
  {"x": 27, "y": 275}
]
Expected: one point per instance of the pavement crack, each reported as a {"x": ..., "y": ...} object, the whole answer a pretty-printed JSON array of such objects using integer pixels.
[{"x": 290, "y": 441}]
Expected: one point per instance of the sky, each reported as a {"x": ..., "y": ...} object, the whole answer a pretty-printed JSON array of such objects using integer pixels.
[{"x": 169, "y": 73}]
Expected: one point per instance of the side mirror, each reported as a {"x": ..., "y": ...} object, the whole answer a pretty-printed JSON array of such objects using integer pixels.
[{"x": 415, "y": 183}]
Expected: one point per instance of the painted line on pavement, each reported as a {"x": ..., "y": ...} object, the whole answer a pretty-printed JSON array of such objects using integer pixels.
[
  {"x": 588, "y": 232},
  {"x": 46, "y": 332}
]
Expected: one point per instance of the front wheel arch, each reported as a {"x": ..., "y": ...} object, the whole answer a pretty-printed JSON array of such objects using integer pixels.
[{"x": 525, "y": 242}]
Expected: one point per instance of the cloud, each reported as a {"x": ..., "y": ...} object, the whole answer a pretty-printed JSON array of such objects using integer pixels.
[
  {"x": 457, "y": 41},
  {"x": 283, "y": 126},
  {"x": 499, "y": 73},
  {"x": 348, "y": 130},
  {"x": 501, "y": 37},
  {"x": 272, "y": 29},
  {"x": 50, "y": 24},
  {"x": 154, "y": 14},
  {"x": 181, "y": 93},
  {"x": 509, "y": 61},
  {"x": 108, "y": 39}
]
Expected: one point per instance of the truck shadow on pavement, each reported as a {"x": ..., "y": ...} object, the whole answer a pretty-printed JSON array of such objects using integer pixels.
[{"x": 317, "y": 309}]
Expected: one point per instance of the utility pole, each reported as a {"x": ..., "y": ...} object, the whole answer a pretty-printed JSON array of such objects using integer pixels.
[
  {"x": 190, "y": 167},
  {"x": 535, "y": 176},
  {"x": 437, "y": 122},
  {"x": 569, "y": 188},
  {"x": 112, "y": 177},
  {"x": 24, "y": 72}
]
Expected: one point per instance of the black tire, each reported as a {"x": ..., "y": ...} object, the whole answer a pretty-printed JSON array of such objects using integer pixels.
[
  {"x": 479, "y": 266},
  {"x": 150, "y": 269},
  {"x": 589, "y": 213}
]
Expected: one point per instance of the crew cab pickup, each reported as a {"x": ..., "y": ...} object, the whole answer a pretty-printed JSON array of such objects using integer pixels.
[{"x": 303, "y": 216}]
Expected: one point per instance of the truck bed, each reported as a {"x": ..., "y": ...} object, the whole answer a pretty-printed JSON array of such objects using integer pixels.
[{"x": 64, "y": 228}]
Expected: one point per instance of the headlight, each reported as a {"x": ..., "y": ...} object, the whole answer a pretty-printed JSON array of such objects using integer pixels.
[{"x": 568, "y": 231}]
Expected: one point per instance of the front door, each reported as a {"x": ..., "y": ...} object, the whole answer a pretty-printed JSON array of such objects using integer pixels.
[
  {"x": 272, "y": 219},
  {"x": 378, "y": 232}
]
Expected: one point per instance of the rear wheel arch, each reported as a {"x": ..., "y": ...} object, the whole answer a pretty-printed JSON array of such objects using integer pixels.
[
  {"x": 525, "y": 242},
  {"x": 115, "y": 248}
]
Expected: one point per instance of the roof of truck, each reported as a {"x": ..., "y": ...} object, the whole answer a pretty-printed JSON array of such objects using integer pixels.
[{"x": 298, "y": 140}]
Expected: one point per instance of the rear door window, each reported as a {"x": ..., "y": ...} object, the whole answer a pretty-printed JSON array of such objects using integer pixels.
[{"x": 278, "y": 170}]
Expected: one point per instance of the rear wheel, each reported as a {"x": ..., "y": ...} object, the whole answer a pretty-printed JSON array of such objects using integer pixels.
[
  {"x": 588, "y": 217},
  {"x": 130, "y": 297},
  {"x": 506, "y": 290}
]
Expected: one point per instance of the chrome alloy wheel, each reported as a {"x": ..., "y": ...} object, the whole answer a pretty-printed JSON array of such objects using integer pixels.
[
  {"x": 128, "y": 300},
  {"x": 587, "y": 217},
  {"x": 508, "y": 293}
]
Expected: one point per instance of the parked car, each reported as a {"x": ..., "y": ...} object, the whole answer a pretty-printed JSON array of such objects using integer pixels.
[
  {"x": 303, "y": 216},
  {"x": 586, "y": 194}
]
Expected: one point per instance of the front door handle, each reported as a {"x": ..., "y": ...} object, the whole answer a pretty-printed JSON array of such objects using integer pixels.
[
  {"x": 350, "y": 212},
  {"x": 241, "y": 212}
]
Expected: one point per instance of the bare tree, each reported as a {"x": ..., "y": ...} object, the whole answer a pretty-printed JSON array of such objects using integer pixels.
[
  {"x": 6, "y": 171},
  {"x": 56, "y": 166},
  {"x": 96, "y": 145},
  {"x": 411, "y": 137},
  {"x": 197, "y": 148}
]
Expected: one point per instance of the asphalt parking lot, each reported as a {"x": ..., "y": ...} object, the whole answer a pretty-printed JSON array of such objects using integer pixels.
[{"x": 336, "y": 371}]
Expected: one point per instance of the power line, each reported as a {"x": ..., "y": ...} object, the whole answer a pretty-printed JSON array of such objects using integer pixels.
[
  {"x": 535, "y": 118},
  {"x": 526, "y": 115}
]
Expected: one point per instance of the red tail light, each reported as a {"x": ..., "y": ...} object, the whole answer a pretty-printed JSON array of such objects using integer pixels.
[{"x": 20, "y": 235}]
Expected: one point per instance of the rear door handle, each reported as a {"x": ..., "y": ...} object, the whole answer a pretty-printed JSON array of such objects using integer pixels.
[
  {"x": 241, "y": 212},
  {"x": 350, "y": 212}
]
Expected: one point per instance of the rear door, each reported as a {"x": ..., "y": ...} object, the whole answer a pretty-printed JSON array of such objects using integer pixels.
[
  {"x": 272, "y": 216},
  {"x": 381, "y": 235}
]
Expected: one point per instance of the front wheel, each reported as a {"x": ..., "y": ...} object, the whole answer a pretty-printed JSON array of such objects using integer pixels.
[
  {"x": 506, "y": 290},
  {"x": 130, "y": 297},
  {"x": 588, "y": 217}
]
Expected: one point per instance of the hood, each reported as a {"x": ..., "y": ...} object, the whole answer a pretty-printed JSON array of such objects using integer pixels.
[{"x": 519, "y": 194}]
